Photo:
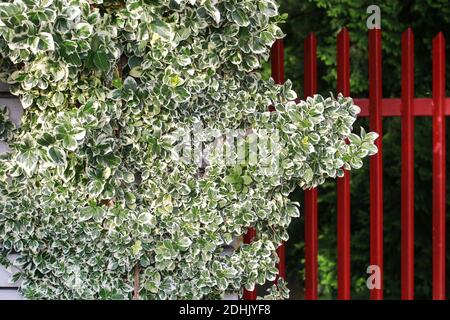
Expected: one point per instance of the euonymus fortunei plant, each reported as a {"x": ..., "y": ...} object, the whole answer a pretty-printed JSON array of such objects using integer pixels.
[{"x": 91, "y": 195}]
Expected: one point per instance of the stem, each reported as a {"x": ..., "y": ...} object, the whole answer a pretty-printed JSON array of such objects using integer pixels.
[{"x": 136, "y": 282}]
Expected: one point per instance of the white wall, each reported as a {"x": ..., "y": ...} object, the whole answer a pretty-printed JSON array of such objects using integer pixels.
[{"x": 8, "y": 290}]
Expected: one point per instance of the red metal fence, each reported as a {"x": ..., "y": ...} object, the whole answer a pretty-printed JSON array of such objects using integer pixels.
[{"x": 376, "y": 107}]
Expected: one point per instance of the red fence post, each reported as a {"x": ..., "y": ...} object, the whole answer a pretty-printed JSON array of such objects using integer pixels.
[
  {"x": 311, "y": 242},
  {"x": 277, "y": 59},
  {"x": 248, "y": 238},
  {"x": 343, "y": 184},
  {"x": 438, "y": 167},
  {"x": 376, "y": 161},
  {"x": 375, "y": 107},
  {"x": 407, "y": 213}
]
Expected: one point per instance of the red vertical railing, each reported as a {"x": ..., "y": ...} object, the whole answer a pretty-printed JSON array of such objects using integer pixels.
[
  {"x": 277, "y": 60},
  {"x": 376, "y": 162},
  {"x": 248, "y": 238},
  {"x": 376, "y": 107},
  {"x": 407, "y": 213},
  {"x": 343, "y": 184},
  {"x": 438, "y": 167},
  {"x": 311, "y": 242}
]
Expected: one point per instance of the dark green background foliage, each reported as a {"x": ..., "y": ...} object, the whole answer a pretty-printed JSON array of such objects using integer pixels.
[{"x": 326, "y": 18}]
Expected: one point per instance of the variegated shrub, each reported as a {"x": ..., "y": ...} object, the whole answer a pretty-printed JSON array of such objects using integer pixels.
[{"x": 91, "y": 196}]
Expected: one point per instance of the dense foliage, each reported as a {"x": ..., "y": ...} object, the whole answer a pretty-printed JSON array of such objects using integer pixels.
[
  {"x": 92, "y": 197},
  {"x": 326, "y": 18}
]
